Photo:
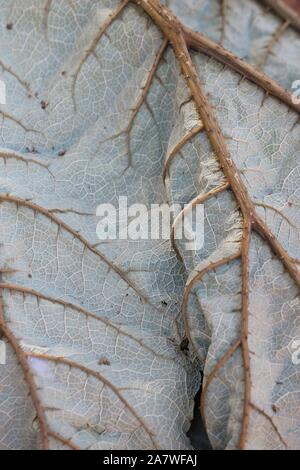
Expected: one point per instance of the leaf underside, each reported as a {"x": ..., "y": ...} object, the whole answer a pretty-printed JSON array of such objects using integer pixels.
[
  {"x": 105, "y": 100},
  {"x": 249, "y": 29}
]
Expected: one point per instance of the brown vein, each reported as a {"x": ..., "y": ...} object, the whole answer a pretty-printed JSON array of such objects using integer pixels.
[
  {"x": 245, "y": 329},
  {"x": 101, "y": 378},
  {"x": 173, "y": 29},
  {"x": 64, "y": 441},
  {"x": 221, "y": 362},
  {"x": 6, "y": 155},
  {"x": 47, "y": 10},
  {"x": 142, "y": 99},
  {"x": 180, "y": 38},
  {"x": 285, "y": 11},
  {"x": 263, "y": 413},
  {"x": 16, "y": 76},
  {"x": 71, "y": 211},
  {"x": 63, "y": 225},
  {"x": 28, "y": 377},
  {"x": 223, "y": 8},
  {"x": 266, "y": 234},
  {"x": 274, "y": 39},
  {"x": 176, "y": 149},
  {"x": 190, "y": 285},
  {"x": 278, "y": 211},
  {"x": 17, "y": 121},
  {"x": 91, "y": 50},
  {"x": 28, "y": 291},
  {"x": 197, "y": 200},
  {"x": 204, "y": 45}
]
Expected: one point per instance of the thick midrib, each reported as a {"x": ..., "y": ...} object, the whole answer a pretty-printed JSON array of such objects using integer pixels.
[{"x": 176, "y": 33}]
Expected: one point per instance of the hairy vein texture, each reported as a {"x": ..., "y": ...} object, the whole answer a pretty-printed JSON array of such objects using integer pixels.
[
  {"x": 249, "y": 29},
  {"x": 241, "y": 305},
  {"x": 95, "y": 100}
]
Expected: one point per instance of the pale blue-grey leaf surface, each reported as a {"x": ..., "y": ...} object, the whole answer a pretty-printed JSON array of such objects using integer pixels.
[{"x": 97, "y": 108}]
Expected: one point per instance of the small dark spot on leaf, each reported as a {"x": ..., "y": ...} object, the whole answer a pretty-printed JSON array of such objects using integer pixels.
[
  {"x": 274, "y": 408},
  {"x": 62, "y": 153},
  {"x": 290, "y": 204},
  {"x": 64, "y": 73},
  {"x": 184, "y": 345},
  {"x": 30, "y": 276},
  {"x": 164, "y": 303},
  {"x": 104, "y": 361},
  {"x": 9, "y": 26},
  {"x": 44, "y": 104}
]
